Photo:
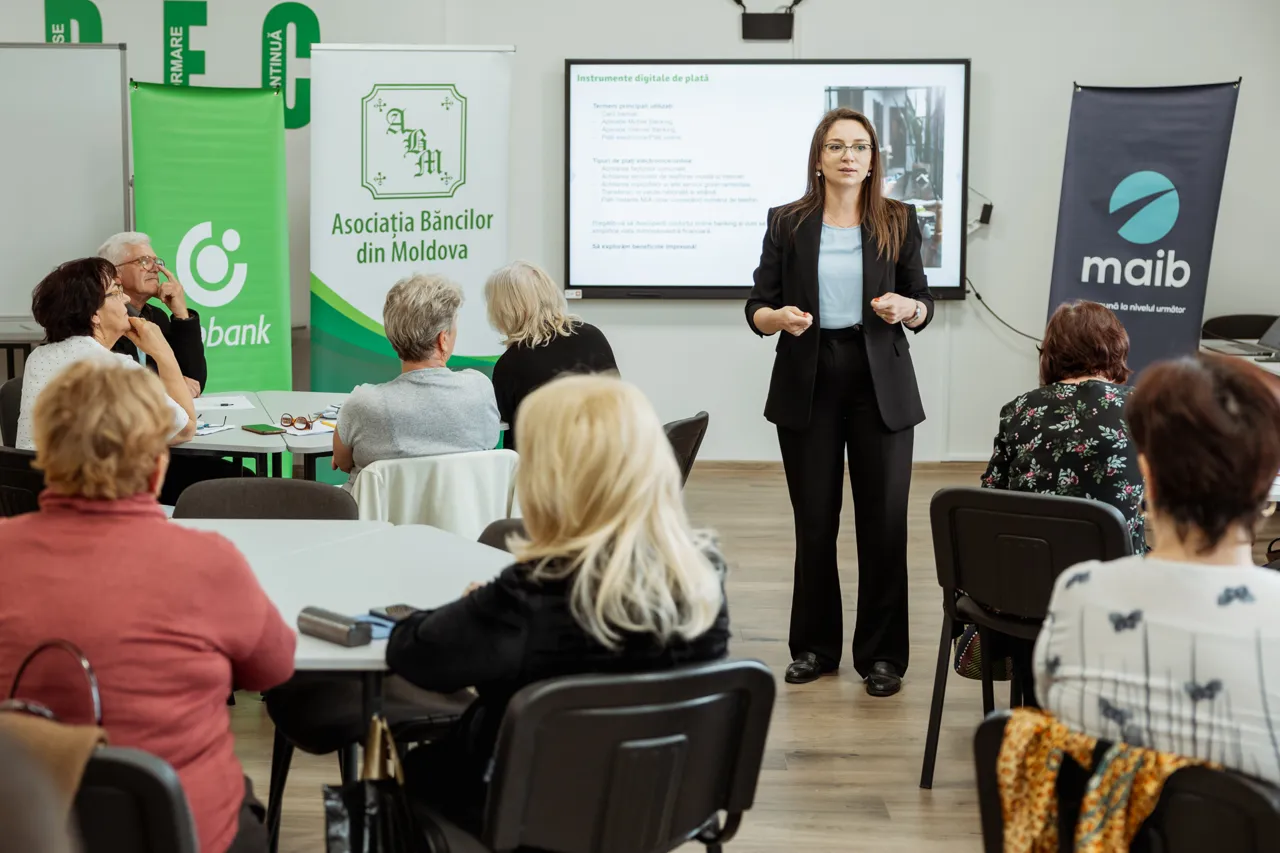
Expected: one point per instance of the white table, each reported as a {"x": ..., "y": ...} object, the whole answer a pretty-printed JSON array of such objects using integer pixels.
[
  {"x": 308, "y": 447},
  {"x": 1272, "y": 367},
  {"x": 350, "y": 567},
  {"x": 18, "y": 334},
  {"x": 236, "y": 442}
]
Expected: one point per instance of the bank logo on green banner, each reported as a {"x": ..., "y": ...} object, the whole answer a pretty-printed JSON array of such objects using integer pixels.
[
  {"x": 211, "y": 194},
  {"x": 413, "y": 140}
]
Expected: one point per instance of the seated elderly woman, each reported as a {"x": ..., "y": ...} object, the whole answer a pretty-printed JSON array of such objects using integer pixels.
[
  {"x": 1179, "y": 651},
  {"x": 542, "y": 338},
  {"x": 169, "y": 618},
  {"x": 610, "y": 579},
  {"x": 81, "y": 306},
  {"x": 428, "y": 409},
  {"x": 1069, "y": 436}
]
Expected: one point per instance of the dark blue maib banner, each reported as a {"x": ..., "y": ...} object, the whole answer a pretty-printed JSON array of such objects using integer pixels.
[{"x": 1140, "y": 194}]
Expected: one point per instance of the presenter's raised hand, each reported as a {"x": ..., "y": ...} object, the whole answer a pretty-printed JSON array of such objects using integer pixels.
[
  {"x": 792, "y": 319},
  {"x": 894, "y": 308}
]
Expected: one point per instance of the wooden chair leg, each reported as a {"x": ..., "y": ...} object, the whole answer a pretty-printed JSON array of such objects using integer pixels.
[{"x": 935, "y": 710}]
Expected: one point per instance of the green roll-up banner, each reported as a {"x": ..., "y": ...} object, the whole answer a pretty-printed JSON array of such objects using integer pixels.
[{"x": 209, "y": 188}]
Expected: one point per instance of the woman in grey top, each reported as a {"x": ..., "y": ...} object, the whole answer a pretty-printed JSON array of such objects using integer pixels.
[{"x": 427, "y": 410}]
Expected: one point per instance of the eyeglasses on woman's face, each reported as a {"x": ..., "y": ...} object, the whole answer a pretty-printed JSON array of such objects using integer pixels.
[
  {"x": 115, "y": 289},
  {"x": 837, "y": 149}
]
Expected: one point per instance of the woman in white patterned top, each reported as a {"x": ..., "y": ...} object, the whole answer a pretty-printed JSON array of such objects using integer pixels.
[
  {"x": 1180, "y": 651},
  {"x": 81, "y": 306}
]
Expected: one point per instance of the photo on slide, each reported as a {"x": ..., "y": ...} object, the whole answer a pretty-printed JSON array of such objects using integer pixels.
[{"x": 910, "y": 124}]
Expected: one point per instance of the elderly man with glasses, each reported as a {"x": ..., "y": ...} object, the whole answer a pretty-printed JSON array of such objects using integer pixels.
[{"x": 140, "y": 272}]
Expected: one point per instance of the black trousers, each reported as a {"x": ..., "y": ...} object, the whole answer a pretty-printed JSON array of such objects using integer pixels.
[{"x": 846, "y": 420}]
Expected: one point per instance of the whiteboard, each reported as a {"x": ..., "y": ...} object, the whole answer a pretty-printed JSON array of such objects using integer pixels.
[{"x": 64, "y": 159}]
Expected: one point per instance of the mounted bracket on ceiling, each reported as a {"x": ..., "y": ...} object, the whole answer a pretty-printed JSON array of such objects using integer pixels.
[{"x": 768, "y": 26}]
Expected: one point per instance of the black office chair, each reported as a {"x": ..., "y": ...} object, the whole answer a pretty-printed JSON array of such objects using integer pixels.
[
  {"x": 497, "y": 533},
  {"x": 686, "y": 437},
  {"x": 1237, "y": 326},
  {"x": 998, "y": 554},
  {"x": 132, "y": 802},
  {"x": 20, "y": 483},
  {"x": 262, "y": 497},
  {"x": 1199, "y": 809},
  {"x": 10, "y": 408},
  {"x": 623, "y": 763}
]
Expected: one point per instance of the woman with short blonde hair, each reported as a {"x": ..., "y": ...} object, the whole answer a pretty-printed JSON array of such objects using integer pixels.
[
  {"x": 102, "y": 432},
  {"x": 611, "y": 578},
  {"x": 542, "y": 338},
  {"x": 172, "y": 619},
  {"x": 429, "y": 409}
]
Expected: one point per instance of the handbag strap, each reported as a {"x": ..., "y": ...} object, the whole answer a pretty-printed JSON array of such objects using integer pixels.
[
  {"x": 381, "y": 759},
  {"x": 72, "y": 649}
]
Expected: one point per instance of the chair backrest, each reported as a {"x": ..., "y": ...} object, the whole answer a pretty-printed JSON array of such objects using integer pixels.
[
  {"x": 20, "y": 484},
  {"x": 628, "y": 763},
  {"x": 1237, "y": 326},
  {"x": 686, "y": 437},
  {"x": 458, "y": 492},
  {"x": 1006, "y": 549},
  {"x": 497, "y": 533},
  {"x": 1199, "y": 809},
  {"x": 263, "y": 497},
  {"x": 132, "y": 802},
  {"x": 10, "y": 408}
]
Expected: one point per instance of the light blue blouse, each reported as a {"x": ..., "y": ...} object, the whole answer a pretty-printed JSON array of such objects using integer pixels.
[{"x": 840, "y": 277}]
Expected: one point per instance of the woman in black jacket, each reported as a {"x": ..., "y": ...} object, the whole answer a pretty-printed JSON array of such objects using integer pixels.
[
  {"x": 841, "y": 275},
  {"x": 610, "y": 579},
  {"x": 542, "y": 338}
]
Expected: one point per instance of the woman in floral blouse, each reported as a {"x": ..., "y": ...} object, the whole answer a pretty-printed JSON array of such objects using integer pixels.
[{"x": 1069, "y": 436}]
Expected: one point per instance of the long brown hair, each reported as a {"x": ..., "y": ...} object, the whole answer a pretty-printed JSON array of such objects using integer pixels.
[{"x": 885, "y": 219}]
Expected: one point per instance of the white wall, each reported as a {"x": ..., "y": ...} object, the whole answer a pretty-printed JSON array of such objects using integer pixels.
[
  {"x": 1026, "y": 54},
  {"x": 700, "y": 355}
]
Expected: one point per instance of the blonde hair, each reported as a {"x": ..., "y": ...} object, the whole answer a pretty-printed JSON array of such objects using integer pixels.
[
  {"x": 417, "y": 309},
  {"x": 99, "y": 429},
  {"x": 599, "y": 489},
  {"x": 526, "y": 305}
]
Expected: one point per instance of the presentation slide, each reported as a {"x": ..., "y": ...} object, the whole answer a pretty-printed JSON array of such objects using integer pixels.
[{"x": 673, "y": 166}]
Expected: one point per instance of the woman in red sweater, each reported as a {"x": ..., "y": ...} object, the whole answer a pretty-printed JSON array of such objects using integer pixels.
[{"x": 170, "y": 618}]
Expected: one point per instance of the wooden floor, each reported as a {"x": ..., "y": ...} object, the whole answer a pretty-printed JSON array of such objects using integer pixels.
[{"x": 842, "y": 769}]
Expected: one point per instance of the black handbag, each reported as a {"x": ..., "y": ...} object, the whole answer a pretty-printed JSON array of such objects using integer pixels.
[
  {"x": 14, "y": 703},
  {"x": 373, "y": 815}
]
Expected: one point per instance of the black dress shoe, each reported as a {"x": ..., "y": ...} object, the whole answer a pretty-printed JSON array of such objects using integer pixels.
[
  {"x": 883, "y": 680},
  {"x": 806, "y": 668}
]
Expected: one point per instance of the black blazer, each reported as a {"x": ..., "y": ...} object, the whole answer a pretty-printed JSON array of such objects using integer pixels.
[
  {"x": 788, "y": 275},
  {"x": 510, "y": 633},
  {"x": 183, "y": 337}
]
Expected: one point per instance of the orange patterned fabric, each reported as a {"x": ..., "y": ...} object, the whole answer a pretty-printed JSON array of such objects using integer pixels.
[{"x": 1121, "y": 794}]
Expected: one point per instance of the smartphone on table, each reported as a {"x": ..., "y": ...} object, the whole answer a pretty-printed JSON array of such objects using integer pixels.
[
  {"x": 263, "y": 429},
  {"x": 393, "y": 612}
]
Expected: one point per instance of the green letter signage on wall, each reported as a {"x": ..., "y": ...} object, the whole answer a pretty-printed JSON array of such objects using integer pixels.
[
  {"x": 275, "y": 62},
  {"x": 180, "y": 61},
  {"x": 60, "y": 14}
]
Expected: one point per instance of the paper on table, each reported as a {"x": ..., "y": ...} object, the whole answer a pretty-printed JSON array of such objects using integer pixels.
[
  {"x": 221, "y": 404},
  {"x": 210, "y": 429},
  {"x": 318, "y": 428}
]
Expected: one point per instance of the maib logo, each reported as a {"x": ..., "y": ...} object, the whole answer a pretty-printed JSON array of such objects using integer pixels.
[
  {"x": 1158, "y": 213},
  {"x": 1150, "y": 204},
  {"x": 212, "y": 264}
]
